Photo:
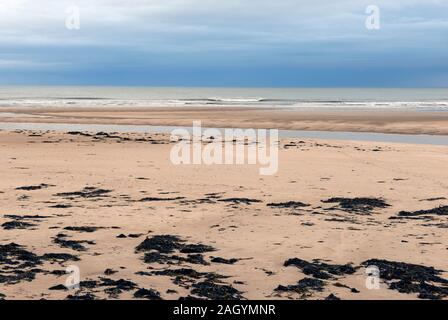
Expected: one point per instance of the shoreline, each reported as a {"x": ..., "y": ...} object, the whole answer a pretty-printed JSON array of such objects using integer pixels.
[
  {"x": 336, "y": 136},
  {"x": 334, "y": 120}
]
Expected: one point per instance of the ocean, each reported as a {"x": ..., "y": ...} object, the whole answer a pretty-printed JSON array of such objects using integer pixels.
[{"x": 356, "y": 98}]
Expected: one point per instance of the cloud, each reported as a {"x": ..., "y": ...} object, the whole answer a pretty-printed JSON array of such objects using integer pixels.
[{"x": 152, "y": 34}]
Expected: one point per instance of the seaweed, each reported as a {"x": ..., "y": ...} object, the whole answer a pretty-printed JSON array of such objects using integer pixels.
[
  {"x": 246, "y": 201},
  {"x": 319, "y": 269},
  {"x": 83, "y": 229},
  {"x": 224, "y": 261},
  {"x": 36, "y": 187},
  {"x": 196, "y": 248},
  {"x": 215, "y": 291},
  {"x": 304, "y": 286},
  {"x": 358, "y": 205},
  {"x": 411, "y": 278},
  {"x": 289, "y": 204},
  {"x": 439, "y": 211},
  {"x": 162, "y": 244},
  {"x": 154, "y": 199},
  {"x": 87, "y": 192},
  {"x": 149, "y": 294},
  {"x": 76, "y": 245},
  {"x": 10, "y": 225}
]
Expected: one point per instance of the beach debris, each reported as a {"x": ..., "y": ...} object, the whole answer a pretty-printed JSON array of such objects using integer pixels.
[
  {"x": 18, "y": 264},
  {"x": 158, "y": 249},
  {"x": 149, "y": 294},
  {"x": 36, "y": 187},
  {"x": 223, "y": 260},
  {"x": 358, "y": 205},
  {"x": 439, "y": 211},
  {"x": 196, "y": 248},
  {"x": 78, "y": 133},
  {"x": 60, "y": 257},
  {"x": 155, "y": 199},
  {"x": 245, "y": 201},
  {"x": 161, "y": 243},
  {"x": 87, "y": 229},
  {"x": 169, "y": 243},
  {"x": 289, "y": 204},
  {"x": 59, "y": 287},
  {"x": 434, "y": 199},
  {"x": 411, "y": 278},
  {"x": 77, "y": 245},
  {"x": 319, "y": 269},
  {"x": 87, "y": 192},
  {"x": 86, "y": 296},
  {"x": 303, "y": 286},
  {"x": 61, "y": 206},
  {"x": 214, "y": 291},
  {"x": 17, "y": 225},
  {"x": 109, "y": 272}
]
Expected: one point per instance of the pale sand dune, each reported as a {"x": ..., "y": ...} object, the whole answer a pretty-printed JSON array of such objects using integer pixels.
[
  {"x": 262, "y": 236},
  {"x": 381, "y": 121}
]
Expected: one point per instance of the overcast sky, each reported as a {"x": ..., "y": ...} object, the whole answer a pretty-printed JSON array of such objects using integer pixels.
[{"x": 225, "y": 43}]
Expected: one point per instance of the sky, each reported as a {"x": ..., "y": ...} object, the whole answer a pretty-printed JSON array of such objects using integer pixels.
[{"x": 255, "y": 43}]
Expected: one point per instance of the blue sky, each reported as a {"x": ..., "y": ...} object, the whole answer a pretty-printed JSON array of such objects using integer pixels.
[{"x": 225, "y": 43}]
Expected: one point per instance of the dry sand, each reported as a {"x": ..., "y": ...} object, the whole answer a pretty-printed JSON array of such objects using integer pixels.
[{"x": 263, "y": 237}]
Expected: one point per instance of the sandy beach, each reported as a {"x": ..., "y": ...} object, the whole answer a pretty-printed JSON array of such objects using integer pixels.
[
  {"x": 114, "y": 206},
  {"x": 326, "y": 119},
  {"x": 249, "y": 156}
]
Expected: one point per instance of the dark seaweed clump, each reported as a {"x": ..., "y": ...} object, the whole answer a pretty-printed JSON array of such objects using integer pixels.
[
  {"x": 158, "y": 249},
  {"x": 18, "y": 264},
  {"x": 156, "y": 257},
  {"x": 359, "y": 205},
  {"x": 168, "y": 249},
  {"x": 196, "y": 248},
  {"x": 9, "y": 225},
  {"x": 223, "y": 260},
  {"x": 61, "y": 257},
  {"x": 155, "y": 199},
  {"x": 19, "y": 223},
  {"x": 83, "y": 229},
  {"x": 411, "y": 278},
  {"x": 245, "y": 201},
  {"x": 303, "y": 287},
  {"x": 111, "y": 287},
  {"x": 87, "y": 192},
  {"x": 86, "y": 296},
  {"x": 77, "y": 245},
  {"x": 320, "y": 270},
  {"x": 289, "y": 204},
  {"x": 162, "y": 244},
  {"x": 332, "y": 297},
  {"x": 149, "y": 294},
  {"x": 216, "y": 291},
  {"x": 185, "y": 276},
  {"x": 439, "y": 211},
  {"x": 37, "y": 187}
]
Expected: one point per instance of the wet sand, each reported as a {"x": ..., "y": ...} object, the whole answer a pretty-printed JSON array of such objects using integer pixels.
[
  {"x": 379, "y": 121},
  {"x": 97, "y": 197}
]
